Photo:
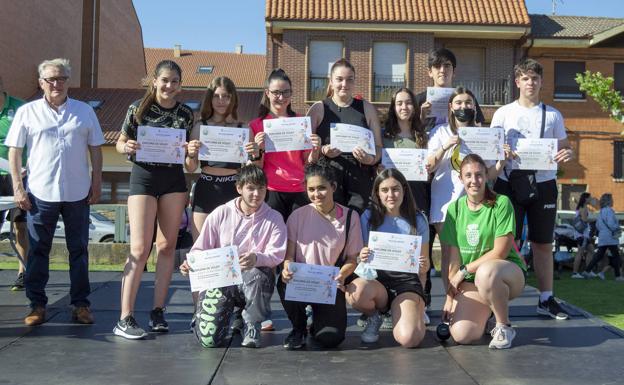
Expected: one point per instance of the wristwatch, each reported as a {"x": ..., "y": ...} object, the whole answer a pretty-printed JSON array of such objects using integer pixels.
[{"x": 463, "y": 270}]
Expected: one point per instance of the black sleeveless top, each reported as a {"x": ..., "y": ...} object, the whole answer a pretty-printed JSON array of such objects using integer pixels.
[
  {"x": 353, "y": 114},
  {"x": 211, "y": 163}
]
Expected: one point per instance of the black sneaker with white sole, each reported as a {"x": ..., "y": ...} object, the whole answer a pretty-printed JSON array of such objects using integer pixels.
[
  {"x": 157, "y": 320},
  {"x": 128, "y": 328},
  {"x": 296, "y": 339},
  {"x": 551, "y": 308}
]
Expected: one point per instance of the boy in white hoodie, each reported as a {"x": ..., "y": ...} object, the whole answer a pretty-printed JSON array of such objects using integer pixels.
[{"x": 259, "y": 233}]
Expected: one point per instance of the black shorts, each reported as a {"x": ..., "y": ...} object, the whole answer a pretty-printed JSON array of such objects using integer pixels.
[
  {"x": 541, "y": 214},
  {"x": 286, "y": 202},
  {"x": 156, "y": 181},
  {"x": 397, "y": 283},
  {"x": 6, "y": 189},
  {"x": 212, "y": 191},
  {"x": 355, "y": 182}
]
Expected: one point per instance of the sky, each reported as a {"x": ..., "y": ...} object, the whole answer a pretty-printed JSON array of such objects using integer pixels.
[{"x": 220, "y": 25}]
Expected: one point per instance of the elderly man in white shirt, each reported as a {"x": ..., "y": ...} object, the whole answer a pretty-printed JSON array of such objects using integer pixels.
[{"x": 58, "y": 132}]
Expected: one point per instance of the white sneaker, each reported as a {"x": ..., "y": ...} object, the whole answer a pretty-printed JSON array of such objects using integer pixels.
[
  {"x": 619, "y": 279},
  {"x": 601, "y": 275},
  {"x": 577, "y": 276},
  {"x": 590, "y": 274},
  {"x": 502, "y": 335},
  {"x": 371, "y": 331}
]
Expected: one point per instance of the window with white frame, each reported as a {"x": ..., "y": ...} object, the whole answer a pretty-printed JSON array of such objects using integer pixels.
[
  {"x": 389, "y": 69},
  {"x": 321, "y": 56}
]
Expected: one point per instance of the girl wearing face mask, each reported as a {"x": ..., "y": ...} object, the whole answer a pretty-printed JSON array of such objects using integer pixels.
[
  {"x": 355, "y": 170},
  {"x": 444, "y": 159}
]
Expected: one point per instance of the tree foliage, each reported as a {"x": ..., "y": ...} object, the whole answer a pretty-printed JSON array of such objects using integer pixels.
[{"x": 600, "y": 88}]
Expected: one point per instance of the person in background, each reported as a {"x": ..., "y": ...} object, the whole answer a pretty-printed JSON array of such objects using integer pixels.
[{"x": 585, "y": 249}]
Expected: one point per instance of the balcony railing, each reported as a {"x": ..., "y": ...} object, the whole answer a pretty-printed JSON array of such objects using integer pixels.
[
  {"x": 491, "y": 91},
  {"x": 385, "y": 85}
]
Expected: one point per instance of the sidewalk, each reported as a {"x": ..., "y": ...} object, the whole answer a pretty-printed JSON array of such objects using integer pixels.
[{"x": 579, "y": 351}]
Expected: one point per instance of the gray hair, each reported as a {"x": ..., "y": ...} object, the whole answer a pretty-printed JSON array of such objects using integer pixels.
[
  {"x": 606, "y": 200},
  {"x": 60, "y": 63}
]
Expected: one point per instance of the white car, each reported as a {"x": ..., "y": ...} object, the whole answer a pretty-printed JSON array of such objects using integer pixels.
[{"x": 101, "y": 229}]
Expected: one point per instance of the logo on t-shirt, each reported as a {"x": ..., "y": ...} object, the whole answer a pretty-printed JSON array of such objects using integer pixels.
[
  {"x": 472, "y": 234},
  {"x": 10, "y": 115}
]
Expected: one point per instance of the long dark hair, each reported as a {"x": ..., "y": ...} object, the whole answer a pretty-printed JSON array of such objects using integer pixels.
[
  {"x": 392, "y": 123},
  {"x": 265, "y": 103},
  {"x": 489, "y": 198},
  {"x": 339, "y": 63},
  {"x": 408, "y": 209},
  {"x": 150, "y": 94},
  {"x": 206, "y": 111},
  {"x": 582, "y": 200},
  {"x": 451, "y": 117}
]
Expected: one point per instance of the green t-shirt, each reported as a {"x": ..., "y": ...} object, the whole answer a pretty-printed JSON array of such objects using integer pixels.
[
  {"x": 473, "y": 232},
  {"x": 399, "y": 143},
  {"x": 6, "y": 118}
]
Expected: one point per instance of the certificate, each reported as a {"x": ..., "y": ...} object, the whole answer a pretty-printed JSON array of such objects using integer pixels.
[
  {"x": 439, "y": 99},
  {"x": 214, "y": 268},
  {"x": 161, "y": 144},
  {"x": 536, "y": 154},
  {"x": 394, "y": 252},
  {"x": 346, "y": 137},
  {"x": 487, "y": 142},
  {"x": 410, "y": 161},
  {"x": 223, "y": 144},
  {"x": 312, "y": 283},
  {"x": 287, "y": 134}
]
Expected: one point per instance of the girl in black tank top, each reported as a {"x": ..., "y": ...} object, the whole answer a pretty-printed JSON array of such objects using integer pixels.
[{"x": 355, "y": 170}]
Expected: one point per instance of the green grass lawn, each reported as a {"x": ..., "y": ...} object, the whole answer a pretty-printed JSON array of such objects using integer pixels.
[{"x": 604, "y": 299}]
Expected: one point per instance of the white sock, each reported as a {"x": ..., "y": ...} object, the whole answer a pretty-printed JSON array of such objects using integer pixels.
[{"x": 545, "y": 295}]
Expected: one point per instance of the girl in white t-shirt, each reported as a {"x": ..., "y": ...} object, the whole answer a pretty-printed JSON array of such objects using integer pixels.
[{"x": 444, "y": 160}]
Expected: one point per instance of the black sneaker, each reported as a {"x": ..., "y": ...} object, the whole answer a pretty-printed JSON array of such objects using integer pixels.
[
  {"x": 157, "y": 320},
  {"x": 237, "y": 324},
  {"x": 18, "y": 285},
  {"x": 551, "y": 308},
  {"x": 128, "y": 328},
  {"x": 295, "y": 340}
]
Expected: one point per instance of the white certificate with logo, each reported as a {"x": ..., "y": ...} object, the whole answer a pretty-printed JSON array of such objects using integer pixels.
[
  {"x": 223, "y": 144},
  {"x": 312, "y": 283},
  {"x": 536, "y": 154},
  {"x": 214, "y": 268},
  {"x": 410, "y": 161},
  {"x": 439, "y": 99},
  {"x": 346, "y": 137},
  {"x": 287, "y": 134},
  {"x": 394, "y": 252},
  {"x": 161, "y": 145},
  {"x": 487, "y": 142}
]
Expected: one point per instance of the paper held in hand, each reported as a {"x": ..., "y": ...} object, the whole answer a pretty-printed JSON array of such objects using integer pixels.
[
  {"x": 161, "y": 145},
  {"x": 347, "y": 137},
  {"x": 411, "y": 162},
  {"x": 394, "y": 252},
  {"x": 536, "y": 154},
  {"x": 214, "y": 268},
  {"x": 223, "y": 144},
  {"x": 287, "y": 134},
  {"x": 487, "y": 142},
  {"x": 312, "y": 283},
  {"x": 439, "y": 99}
]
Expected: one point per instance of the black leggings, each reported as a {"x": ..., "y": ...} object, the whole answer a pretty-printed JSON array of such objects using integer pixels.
[
  {"x": 329, "y": 321},
  {"x": 614, "y": 258}
]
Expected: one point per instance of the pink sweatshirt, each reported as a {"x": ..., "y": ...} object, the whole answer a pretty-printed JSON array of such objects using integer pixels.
[{"x": 263, "y": 232}]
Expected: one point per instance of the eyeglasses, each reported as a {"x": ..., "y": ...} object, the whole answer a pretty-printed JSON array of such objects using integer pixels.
[
  {"x": 222, "y": 96},
  {"x": 57, "y": 80},
  {"x": 282, "y": 93}
]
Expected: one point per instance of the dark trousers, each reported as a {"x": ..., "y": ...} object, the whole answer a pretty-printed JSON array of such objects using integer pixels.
[
  {"x": 330, "y": 321},
  {"x": 614, "y": 258},
  {"x": 42, "y": 219},
  {"x": 286, "y": 202}
]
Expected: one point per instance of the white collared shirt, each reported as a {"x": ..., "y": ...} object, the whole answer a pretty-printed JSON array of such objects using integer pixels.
[{"x": 58, "y": 158}]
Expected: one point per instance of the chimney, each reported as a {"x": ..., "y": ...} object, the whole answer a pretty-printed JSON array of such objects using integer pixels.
[
  {"x": 238, "y": 49},
  {"x": 177, "y": 50}
]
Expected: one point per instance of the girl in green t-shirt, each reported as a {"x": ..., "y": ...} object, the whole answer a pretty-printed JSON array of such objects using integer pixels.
[{"x": 485, "y": 270}]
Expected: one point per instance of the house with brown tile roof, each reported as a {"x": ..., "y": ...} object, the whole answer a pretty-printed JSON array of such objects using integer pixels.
[
  {"x": 565, "y": 46},
  {"x": 247, "y": 71},
  {"x": 388, "y": 42}
]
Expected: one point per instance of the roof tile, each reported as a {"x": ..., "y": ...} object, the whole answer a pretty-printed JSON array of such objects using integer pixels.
[{"x": 545, "y": 26}]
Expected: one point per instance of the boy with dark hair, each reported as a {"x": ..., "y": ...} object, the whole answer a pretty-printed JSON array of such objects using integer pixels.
[
  {"x": 526, "y": 118},
  {"x": 259, "y": 232}
]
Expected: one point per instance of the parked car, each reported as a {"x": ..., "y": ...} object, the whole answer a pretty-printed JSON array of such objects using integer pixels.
[{"x": 101, "y": 229}]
